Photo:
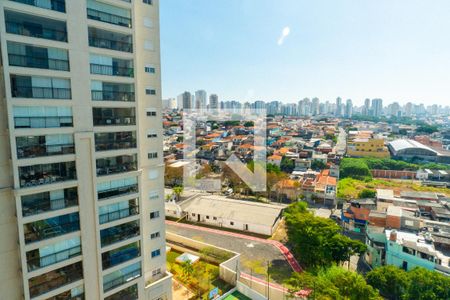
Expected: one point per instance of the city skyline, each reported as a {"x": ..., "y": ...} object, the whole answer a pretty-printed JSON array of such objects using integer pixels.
[{"x": 356, "y": 50}]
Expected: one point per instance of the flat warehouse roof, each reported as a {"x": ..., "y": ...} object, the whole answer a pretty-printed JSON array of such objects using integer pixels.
[{"x": 230, "y": 209}]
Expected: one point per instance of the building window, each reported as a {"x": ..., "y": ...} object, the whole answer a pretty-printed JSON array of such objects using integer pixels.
[
  {"x": 155, "y": 235},
  {"x": 150, "y": 91},
  {"x": 148, "y": 1},
  {"x": 156, "y": 253},
  {"x": 151, "y": 113},
  {"x": 214, "y": 218},
  {"x": 153, "y": 195},
  {"x": 152, "y": 155},
  {"x": 153, "y": 174},
  {"x": 156, "y": 272},
  {"x": 193, "y": 214},
  {"x": 154, "y": 215},
  {"x": 207, "y": 217},
  {"x": 152, "y": 135},
  {"x": 148, "y": 45},
  {"x": 231, "y": 223},
  {"x": 148, "y": 22},
  {"x": 150, "y": 69}
]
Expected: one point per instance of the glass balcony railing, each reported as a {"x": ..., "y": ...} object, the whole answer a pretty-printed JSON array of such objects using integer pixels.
[
  {"x": 121, "y": 279},
  {"x": 39, "y": 150},
  {"x": 55, "y": 279},
  {"x": 50, "y": 228},
  {"x": 100, "y": 42},
  {"x": 132, "y": 210},
  {"x": 120, "y": 255},
  {"x": 118, "y": 191},
  {"x": 76, "y": 293},
  {"x": 111, "y": 70},
  {"x": 99, "y": 95},
  {"x": 49, "y": 201},
  {"x": 101, "y": 16},
  {"x": 115, "y": 141},
  {"x": 47, "y": 173},
  {"x": 56, "y": 5},
  {"x": 41, "y": 92},
  {"x": 114, "y": 116},
  {"x": 129, "y": 293},
  {"x": 116, "y": 165},
  {"x": 119, "y": 233},
  {"x": 43, "y": 122},
  {"x": 36, "y": 31},
  {"x": 31, "y": 61},
  {"x": 36, "y": 261}
]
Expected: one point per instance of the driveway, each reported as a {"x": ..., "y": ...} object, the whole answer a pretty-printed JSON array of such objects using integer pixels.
[{"x": 255, "y": 255}]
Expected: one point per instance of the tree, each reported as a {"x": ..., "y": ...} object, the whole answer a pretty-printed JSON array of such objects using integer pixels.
[
  {"x": 316, "y": 241},
  {"x": 333, "y": 283},
  {"x": 419, "y": 283},
  {"x": 367, "y": 193},
  {"x": 354, "y": 168},
  {"x": 318, "y": 164},
  {"x": 392, "y": 282},
  {"x": 187, "y": 268},
  {"x": 249, "y": 124},
  {"x": 173, "y": 176},
  {"x": 428, "y": 129},
  {"x": 287, "y": 165},
  {"x": 178, "y": 190}
]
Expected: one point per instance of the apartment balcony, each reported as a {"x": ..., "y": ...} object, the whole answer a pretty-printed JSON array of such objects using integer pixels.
[
  {"x": 46, "y": 88},
  {"x": 119, "y": 233},
  {"x": 115, "y": 141},
  {"x": 34, "y": 26},
  {"x": 49, "y": 201},
  {"x": 100, "y": 95},
  {"x": 120, "y": 255},
  {"x": 36, "y": 261},
  {"x": 55, "y": 279},
  {"x": 37, "y": 92},
  {"x": 112, "y": 70},
  {"x": 43, "y": 122},
  {"x": 116, "y": 213},
  {"x": 29, "y": 61},
  {"x": 110, "y": 40},
  {"x": 109, "y": 18},
  {"x": 118, "y": 191},
  {"x": 50, "y": 228},
  {"x": 44, "y": 145},
  {"x": 56, "y": 5},
  {"x": 73, "y": 294},
  {"x": 129, "y": 293},
  {"x": 114, "y": 116},
  {"x": 47, "y": 174},
  {"x": 116, "y": 165},
  {"x": 120, "y": 277}
]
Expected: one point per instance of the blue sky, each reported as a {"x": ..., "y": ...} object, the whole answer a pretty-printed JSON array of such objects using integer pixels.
[{"x": 396, "y": 50}]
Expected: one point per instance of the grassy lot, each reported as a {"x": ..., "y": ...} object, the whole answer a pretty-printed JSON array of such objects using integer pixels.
[
  {"x": 349, "y": 188},
  {"x": 237, "y": 296},
  {"x": 204, "y": 277}
]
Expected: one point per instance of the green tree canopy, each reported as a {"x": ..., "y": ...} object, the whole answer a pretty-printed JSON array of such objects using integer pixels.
[
  {"x": 354, "y": 168},
  {"x": 317, "y": 164},
  {"x": 392, "y": 282},
  {"x": 287, "y": 165},
  {"x": 334, "y": 283},
  {"x": 367, "y": 193},
  {"x": 317, "y": 241}
]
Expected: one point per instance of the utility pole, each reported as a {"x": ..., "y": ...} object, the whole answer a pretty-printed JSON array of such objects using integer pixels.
[{"x": 268, "y": 280}]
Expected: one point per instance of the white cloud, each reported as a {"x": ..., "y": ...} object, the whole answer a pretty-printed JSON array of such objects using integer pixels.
[{"x": 284, "y": 33}]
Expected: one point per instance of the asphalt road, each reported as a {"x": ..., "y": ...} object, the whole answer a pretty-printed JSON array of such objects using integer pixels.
[{"x": 254, "y": 255}]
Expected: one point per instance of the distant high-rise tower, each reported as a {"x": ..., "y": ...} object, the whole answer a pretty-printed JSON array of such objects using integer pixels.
[
  {"x": 315, "y": 106},
  {"x": 213, "y": 102},
  {"x": 349, "y": 108},
  {"x": 366, "y": 107},
  {"x": 187, "y": 100},
  {"x": 81, "y": 160},
  {"x": 377, "y": 107},
  {"x": 200, "y": 99},
  {"x": 338, "y": 111}
]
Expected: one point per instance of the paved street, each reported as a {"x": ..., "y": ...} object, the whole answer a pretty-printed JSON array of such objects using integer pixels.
[{"x": 254, "y": 254}]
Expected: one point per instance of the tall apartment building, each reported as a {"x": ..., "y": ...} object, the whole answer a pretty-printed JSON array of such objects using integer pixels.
[{"x": 81, "y": 173}]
